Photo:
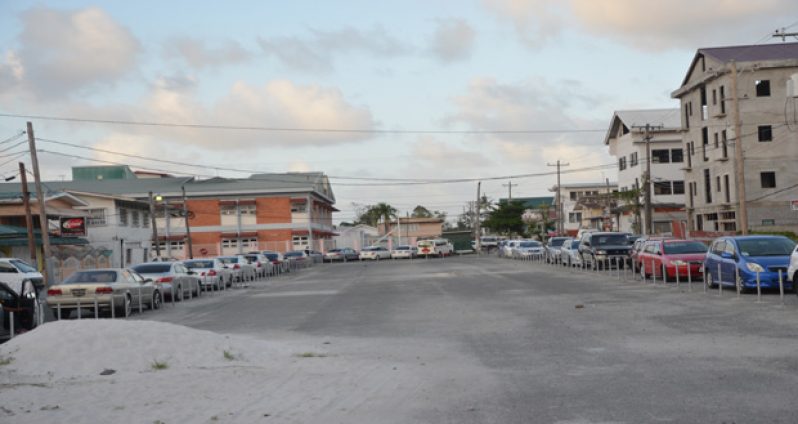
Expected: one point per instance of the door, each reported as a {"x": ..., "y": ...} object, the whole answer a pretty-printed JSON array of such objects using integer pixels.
[
  {"x": 713, "y": 260},
  {"x": 728, "y": 266},
  {"x": 137, "y": 290}
]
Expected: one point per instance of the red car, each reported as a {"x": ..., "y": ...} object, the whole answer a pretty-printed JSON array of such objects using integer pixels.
[
  {"x": 637, "y": 248},
  {"x": 686, "y": 255}
]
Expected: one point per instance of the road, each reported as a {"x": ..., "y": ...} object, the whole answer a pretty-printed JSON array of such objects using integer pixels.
[{"x": 488, "y": 340}]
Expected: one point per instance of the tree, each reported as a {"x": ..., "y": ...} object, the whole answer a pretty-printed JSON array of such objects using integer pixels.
[
  {"x": 384, "y": 211},
  {"x": 466, "y": 220},
  {"x": 507, "y": 218},
  {"x": 421, "y": 212}
]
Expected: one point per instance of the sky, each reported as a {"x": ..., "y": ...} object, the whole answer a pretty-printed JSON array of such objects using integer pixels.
[{"x": 366, "y": 92}]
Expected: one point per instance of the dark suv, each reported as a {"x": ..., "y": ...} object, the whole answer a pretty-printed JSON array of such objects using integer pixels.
[{"x": 602, "y": 249}]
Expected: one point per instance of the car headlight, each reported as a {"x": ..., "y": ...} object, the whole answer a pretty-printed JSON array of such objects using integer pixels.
[
  {"x": 754, "y": 267},
  {"x": 678, "y": 262},
  {"x": 601, "y": 252}
]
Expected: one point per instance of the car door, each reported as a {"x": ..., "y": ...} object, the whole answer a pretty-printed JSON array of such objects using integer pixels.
[
  {"x": 728, "y": 264},
  {"x": 584, "y": 250},
  {"x": 142, "y": 294},
  {"x": 713, "y": 260},
  {"x": 181, "y": 274}
]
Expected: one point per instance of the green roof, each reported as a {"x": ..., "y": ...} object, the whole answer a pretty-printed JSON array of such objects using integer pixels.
[{"x": 532, "y": 202}]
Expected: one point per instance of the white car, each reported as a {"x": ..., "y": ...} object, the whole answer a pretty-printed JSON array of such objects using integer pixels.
[
  {"x": 528, "y": 249},
  {"x": 263, "y": 266},
  {"x": 509, "y": 248},
  {"x": 242, "y": 270},
  {"x": 436, "y": 247},
  {"x": 792, "y": 270},
  {"x": 211, "y": 272},
  {"x": 14, "y": 271},
  {"x": 569, "y": 253},
  {"x": 375, "y": 253},
  {"x": 404, "y": 252}
]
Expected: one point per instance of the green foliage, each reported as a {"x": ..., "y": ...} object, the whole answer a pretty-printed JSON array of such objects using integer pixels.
[
  {"x": 507, "y": 219},
  {"x": 159, "y": 365},
  {"x": 421, "y": 212}
]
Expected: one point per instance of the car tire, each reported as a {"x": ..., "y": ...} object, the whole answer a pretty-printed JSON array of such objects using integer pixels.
[
  {"x": 709, "y": 281},
  {"x": 125, "y": 309},
  {"x": 156, "y": 301}
]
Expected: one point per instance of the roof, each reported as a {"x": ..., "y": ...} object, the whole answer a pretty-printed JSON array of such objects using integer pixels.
[
  {"x": 669, "y": 119},
  {"x": 12, "y": 235},
  {"x": 532, "y": 202},
  {"x": 587, "y": 185}
]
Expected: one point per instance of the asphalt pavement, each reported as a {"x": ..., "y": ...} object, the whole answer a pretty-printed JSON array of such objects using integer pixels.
[{"x": 492, "y": 340}]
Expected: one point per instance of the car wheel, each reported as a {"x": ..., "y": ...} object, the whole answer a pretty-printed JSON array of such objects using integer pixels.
[
  {"x": 156, "y": 301},
  {"x": 125, "y": 309},
  {"x": 709, "y": 280}
]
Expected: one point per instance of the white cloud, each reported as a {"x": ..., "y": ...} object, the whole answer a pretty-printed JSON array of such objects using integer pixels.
[
  {"x": 197, "y": 54},
  {"x": 535, "y": 21},
  {"x": 61, "y": 52},
  {"x": 453, "y": 40}
]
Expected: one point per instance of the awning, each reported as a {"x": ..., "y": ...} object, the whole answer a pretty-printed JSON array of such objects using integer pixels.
[{"x": 246, "y": 234}]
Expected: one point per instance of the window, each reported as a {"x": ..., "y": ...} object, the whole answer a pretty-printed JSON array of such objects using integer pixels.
[
  {"x": 662, "y": 188},
  {"x": 686, "y": 117},
  {"x": 705, "y": 142},
  {"x": 678, "y": 187},
  {"x": 726, "y": 187},
  {"x": 247, "y": 209},
  {"x": 633, "y": 160},
  {"x": 763, "y": 88},
  {"x": 717, "y": 183},
  {"x": 573, "y": 195},
  {"x": 724, "y": 144},
  {"x": 171, "y": 245},
  {"x": 768, "y": 179},
  {"x": 717, "y": 143},
  {"x": 251, "y": 242},
  {"x": 123, "y": 217},
  {"x": 690, "y": 153},
  {"x": 677, "y": 155},
  {"x": 714, "y": 97},
  {"x": 707, "y": 187},
  {"x": 660, "y": 156},
  {"x": 135, "y": 219},
  {"x": 228, "y": 209},
  {"x": 722, "y": 100},
  {"x": 574, "y": 217},
  {"x": 128, "y": 256},
  {"x": 298, "y": 207},
  {"x": 96, "y": 218},
  {"x": 145, "y": 220},
  {"x": 622, "y": 163},
  {"x": 765, "y": 133},
  {"x": 768, "y": 222},
  {"x": 692, "y": 193}
]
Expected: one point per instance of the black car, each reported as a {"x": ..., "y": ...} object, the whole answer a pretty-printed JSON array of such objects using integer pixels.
[
  {"x": 22, "y": 305},
  {"x": 604, "y": 249}
]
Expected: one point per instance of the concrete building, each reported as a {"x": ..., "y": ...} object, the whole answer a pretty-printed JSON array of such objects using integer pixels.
[
  {"x": 626, "y": 140},
  {"x": 571, "y": 194},
  {"x": 356, "y": 237},
  {"x": 764, "y": 75}
]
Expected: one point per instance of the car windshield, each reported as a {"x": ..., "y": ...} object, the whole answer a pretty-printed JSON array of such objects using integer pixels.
[
  {"x": 610, "y": 239},
  {"x": 574, "y": 244},
  {"x": 766, "y": 247},
  {"x": 530, "y": 244},
  {"x": 229, "y": 260},
  {"x": 198, "y": 264},
  {"x": 152, "y": 268},
  {"x": 556, "y": 242},
  {"x": 23, "y": 266},
  {"x": 489, "y": 239},
  {"x": 424, "y": 244},
  {"x": 90, "y": 277},
  {"x": 272, "y": 256},
  {"x": 293, "y": 254},
  {"x": 682, "y": 247},
  {"x": 402, "y": 247},
  {"x": 333, "y": 250}
]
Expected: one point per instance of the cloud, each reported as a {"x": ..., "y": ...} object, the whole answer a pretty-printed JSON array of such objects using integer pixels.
[
  {"x": 453, "y": 40},
  {"x": 62, "y": 52},
  {"x": 535, "y": 21},
  {"x": 434, "y": 153},
  {"x": 197, "y": 54},
  {"x": 316, "y": 52}
]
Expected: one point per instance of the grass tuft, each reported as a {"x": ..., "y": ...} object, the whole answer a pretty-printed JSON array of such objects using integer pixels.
[
  {"x": 229, "y": 355},
  {"x": 6, "y": 361},
  {"x": 159, "y": 365},
  {"x": 311, "y": 355}
]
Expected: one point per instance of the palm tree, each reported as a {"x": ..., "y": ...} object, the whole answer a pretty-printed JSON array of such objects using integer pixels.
[
  {"x": 384, "y": 211},
  {"x": 421, "y": 212}
]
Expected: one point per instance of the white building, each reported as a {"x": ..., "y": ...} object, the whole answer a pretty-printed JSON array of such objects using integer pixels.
[
  {"x": 570, "y": 195},
  {"x": 356, "y": 237},
  {"x": 626, "y": 139}
]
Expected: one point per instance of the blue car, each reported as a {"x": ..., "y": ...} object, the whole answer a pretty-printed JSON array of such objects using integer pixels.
[{"x": 748, "y": 256}]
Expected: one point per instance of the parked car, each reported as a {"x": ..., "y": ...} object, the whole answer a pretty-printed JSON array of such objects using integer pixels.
[
  {"x": 211, "y": 272},
  {"x": 508, "y": 248},
  {"x": 686, "y": 256},
  {"x": 342, "y": 254},
  {"x": 279, "y": 262},
  {"x": 314, "y": 256},
  {"x": 487, "y": 243},
  {"x": 172, "y": 277},
  {"x": 24, "y": 306},
  {"x": 749, "y": 257},
  {"x": 263, "y": 266},
  {"x": 553, "y": 249},
  {"x": 404, "y": 252},
  {"x": 637, "y": 247},
  {"x": 242, "y": 269},
  {"x": 375, "y": 253},
  {"x": 602, "y": 249},
  {"x": 569, "y": 253},
  {"x": 119, "y": 288},
  {"x": 436, "y": 247},
  {"x": 529, "y": 249},
  {"x": 296, "y": 257},
  {"x": 15, "y": 271}
]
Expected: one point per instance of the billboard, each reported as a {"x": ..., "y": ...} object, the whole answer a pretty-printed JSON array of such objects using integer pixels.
[{"x": 73, "y": 227}]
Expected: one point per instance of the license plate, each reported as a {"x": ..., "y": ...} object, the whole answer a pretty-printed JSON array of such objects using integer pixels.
[{"x": 78, "y": 292}]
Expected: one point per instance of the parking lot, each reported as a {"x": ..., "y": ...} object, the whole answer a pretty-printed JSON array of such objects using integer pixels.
[{"x": 499, "y": 340}]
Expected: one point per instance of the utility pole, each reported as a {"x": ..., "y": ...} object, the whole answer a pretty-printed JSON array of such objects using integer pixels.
[
  {"x": 558, "y": 200},
  {"x": 780, "y": 33},
  {"x": 510, "y": 186},
  {"x": 28, "y": 216},
  {"x": 739, "y": 160},
  {"x": 477, "y": 230},
  {"x": 154, "y": 228},
  {"x": 40, "y": 198},
  {"x": 188, "y": 226},
  {"x": 647, "y": 129}
]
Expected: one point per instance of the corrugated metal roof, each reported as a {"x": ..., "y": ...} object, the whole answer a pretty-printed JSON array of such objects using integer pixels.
[{"x": 752, "y": 53}]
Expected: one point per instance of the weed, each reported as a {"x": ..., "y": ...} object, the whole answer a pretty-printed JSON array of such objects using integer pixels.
[
  {"x": 158, "y": 365},
  {"x": 6, "y": 361},
  {"x": 229, "y": 356},
  {"x": 311, "y": 355}
]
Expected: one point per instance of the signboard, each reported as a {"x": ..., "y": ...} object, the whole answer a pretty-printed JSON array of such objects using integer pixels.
[{"x": 73, "y": 227}]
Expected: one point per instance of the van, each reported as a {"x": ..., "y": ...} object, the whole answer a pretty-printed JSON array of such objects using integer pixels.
[{"x": 436, "y": 247}]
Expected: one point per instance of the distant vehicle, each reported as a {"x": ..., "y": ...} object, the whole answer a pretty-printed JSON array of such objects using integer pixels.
[
  {"x": 374, "y": 253},
  {"x": 342, "y": 254},
  {"x": 24, "y": 306},
  {"x": 487, "y": 243},
  {"x": 603, "y": 249},
  {"x": 508, "y": 247},
  {"x": 637, "y": 247},
  {"x": 686, "y": 256},
  {"x": 749, "y": 257},
  {"x": 404, "y": 252},
  {"x": 569, "y": 253},
  {"x": 263, "y": 266},
  {"x": 172, "y": 277},
  {"x": 436, "y": 247},
  {"x": 553, "y": 249},
  {"x": 315, "y": 256},
  {"x": 296, "y": 256},
  {"x": 280, "y": 263},
  {"x": 529, "y": 249},
  {"x": 211, "y": 272},
  {"x": 15, "y": 271},
  {"x": 242, "y": 269},
  {"x": 119, "y": 288}
]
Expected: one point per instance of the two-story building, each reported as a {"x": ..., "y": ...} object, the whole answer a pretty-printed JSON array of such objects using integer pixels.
[
  {"x": 760, "y": 82},
  {"x": 573, "y": 212},
  {"x": 628, "y": 141}
]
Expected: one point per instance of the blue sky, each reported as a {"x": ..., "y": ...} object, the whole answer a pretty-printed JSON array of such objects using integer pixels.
[{"x": 411, "y": 65}]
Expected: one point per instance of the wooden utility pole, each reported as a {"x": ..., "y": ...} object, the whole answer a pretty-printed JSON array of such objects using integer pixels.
[
  {"x": 647, "y": 129},
  {"x": 477, "y": 230},
  {"x": 188, "y": 226},
  {"x": 40, "y": 198},
  {"x": 558, "y": 198},
  {"x": 739, "y": 160},
  {"x": 510, "y": 186},
  {"x": 154, "y": 227},
  {"x": 28, "y": 215}
]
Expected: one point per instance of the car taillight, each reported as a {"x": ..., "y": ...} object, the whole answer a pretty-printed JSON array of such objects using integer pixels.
[
  {"x": 103, "y": 290},
  {"x": 212, "y": 273},
  {"x": 276, "y": 262},
  {"x": 164, "y": 280},
  {"x": 237, "y": 266},
  {"x": 258, "y": 264},
  {"x": 54, "y": 292}
]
